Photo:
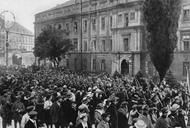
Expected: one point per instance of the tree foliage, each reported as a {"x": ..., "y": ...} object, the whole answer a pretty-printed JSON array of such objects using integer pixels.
[
  {"x": 52, "y": 44},
  {"x": 161, "y": 19}
]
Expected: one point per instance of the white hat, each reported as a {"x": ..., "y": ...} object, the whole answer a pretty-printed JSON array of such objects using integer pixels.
[
  {"x": 98, "y": 90},
  {"x": 174, "y": 107},
  {"x": 140, "y": 124},
  {"x": 95, "y": 87}
]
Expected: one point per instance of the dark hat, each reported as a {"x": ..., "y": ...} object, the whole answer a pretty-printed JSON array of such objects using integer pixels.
[
  {"x": 145, "y": 107},
  {"x": 164, "y": 110},
  {"x": 180, "y": 110},
  {"x": 104, "y": 115},
  {"x": 99, "y": 106},
  {"x": 32, "y": 113},
  {"x": 124, "y": 103},
  {"x": 30, "y": 108},
  {"x": 68, "y": 95}
]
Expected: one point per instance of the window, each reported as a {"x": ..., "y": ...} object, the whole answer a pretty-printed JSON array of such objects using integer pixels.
[
  {"x": 103, "y": 65},
  {"x": 94, "y": 45},
  {"x": 75, "y": 26},
  {"x": 186, "y": 14},
  {"x": 94, "y": 64},
  {"x": 85, "y": 46},
  {"x": 186, "y": 45},
  {"x": 103, "y": 45},
  {"x": 59, "y": 26},
  {"x": 110, "y": 46},
  {"x": 185, "y": 67},
  {"x": 126, "y": 19},
  {"x": 126, "y": 44},
  {"x": 132, "y": 16},
  {"x": 85, "y": 26},
  {"x": 94, "y": 24},
  {"x": 75, "y": 43},
  {"x": 84, "y": 64},
  {"x": 103, "y": 24},
  {"x": 119, "y": 20},
  {"x": 111, "y": 21},
  {"x": 67, "y": 26}
]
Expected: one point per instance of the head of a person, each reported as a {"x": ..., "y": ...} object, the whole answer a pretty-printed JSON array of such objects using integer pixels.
[
  {"x": 174, "y": 109},
  {"x": 180, "y": 112},
  {"x": 48, "y": 97},
  {"x": 145, "y": 110},
  {"x": 106, "y": 117},
  {"x": 100, "y": 106},
  {"x": 115, "y": 101},
  {"x": 33, "y": 115},
  {"x": 124, "y": 105},
  {"x": 84, "y": 117},
  {"x": 29, "y": 109},
  {"x": 134, "y": 107},
  {"x": 164, "y": 112},
  {"x": 59, "y": 99}
]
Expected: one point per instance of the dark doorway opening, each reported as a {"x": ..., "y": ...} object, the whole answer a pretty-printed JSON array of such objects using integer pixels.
[{"x": 124, "y": 67}]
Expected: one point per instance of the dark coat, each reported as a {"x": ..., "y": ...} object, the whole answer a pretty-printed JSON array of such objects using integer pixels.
[
  {"x": 174, "y": 122},
  {"x": 80, "y": 126},
  {"x": 30, "y": 124},
  {"x": 114, "y": 116},
  {"x": 181, "y": 120},
  {"x": 55, "y": 113},
  {"x": 162, "y": 123},
  {"x": 122, "y": 119}
]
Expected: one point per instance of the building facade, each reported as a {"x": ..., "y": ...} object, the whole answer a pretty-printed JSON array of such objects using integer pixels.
[
  {"x": 20, "y": 38},
  {"x": 20, "y": 42},
  {"x": 182, "y": 54},
  {"x": 111, "y": 38}
]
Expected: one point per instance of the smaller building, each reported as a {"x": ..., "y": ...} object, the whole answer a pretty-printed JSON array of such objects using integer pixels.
[
  {"x": 21, "y": 38},
  {"x": 20, "y": 42}
]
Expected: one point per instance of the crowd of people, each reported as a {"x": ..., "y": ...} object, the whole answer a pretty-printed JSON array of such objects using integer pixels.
[{"x": 35, "y": 98}]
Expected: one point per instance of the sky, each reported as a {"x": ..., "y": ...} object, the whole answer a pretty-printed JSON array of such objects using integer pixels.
[{"x": 24, "y": 10}]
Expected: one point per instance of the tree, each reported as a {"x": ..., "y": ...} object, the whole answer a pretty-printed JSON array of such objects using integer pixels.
[
  {"x": 52, "y": 44},
  {"x": 161, "y": 20}
]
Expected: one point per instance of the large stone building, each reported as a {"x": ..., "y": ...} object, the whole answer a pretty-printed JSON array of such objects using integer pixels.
[
  {"x": 182, "y": 55},
  {"x": 112, "y": 36}
]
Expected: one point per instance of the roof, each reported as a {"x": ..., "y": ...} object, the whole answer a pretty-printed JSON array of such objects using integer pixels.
[
  {"x": 65, "y": 4},
  {"x": 20, "y": 29}
]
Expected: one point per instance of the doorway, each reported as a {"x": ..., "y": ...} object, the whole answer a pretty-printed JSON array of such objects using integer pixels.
[{"x": 124, "y": 67}]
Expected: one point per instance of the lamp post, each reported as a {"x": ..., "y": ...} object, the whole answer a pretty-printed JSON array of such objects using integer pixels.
[
  {"x": 81, "y": 64},
  {"x": 9, "y": 20}
]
